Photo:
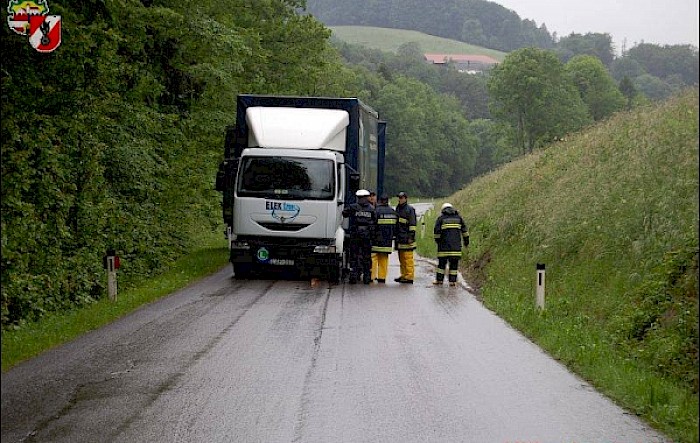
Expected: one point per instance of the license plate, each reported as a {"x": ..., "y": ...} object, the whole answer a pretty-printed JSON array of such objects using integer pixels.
[{"x": 281, "y": 262}]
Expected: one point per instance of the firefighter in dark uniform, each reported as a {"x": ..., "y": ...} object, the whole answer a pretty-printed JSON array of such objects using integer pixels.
[
  {"x": 405, "y": 238},
  {"x": 362, "y": 224},
  {"x": 384, "y": 236},
  {"x": 450, "y": 232}
]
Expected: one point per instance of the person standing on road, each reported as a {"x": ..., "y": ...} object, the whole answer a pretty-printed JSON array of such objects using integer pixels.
[
  {"x": 405, "y": 238},
  {"x": 384, "y": 237},
  {"x": 362, "y": 223},
  {"x": 450, "y": 232},
  {"x": 373, "y": 201}
]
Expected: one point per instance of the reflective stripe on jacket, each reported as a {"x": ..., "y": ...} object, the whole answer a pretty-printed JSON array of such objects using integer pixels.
[{"x": 386, "y": 226}]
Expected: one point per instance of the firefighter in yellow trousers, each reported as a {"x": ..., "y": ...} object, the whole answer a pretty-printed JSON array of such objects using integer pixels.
[
  {"x": 405, "y": 238},
  {"x": 384, "y": 236}
]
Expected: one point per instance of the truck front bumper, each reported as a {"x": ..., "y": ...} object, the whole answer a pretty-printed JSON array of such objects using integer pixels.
[{"x": 283, "y": 252}]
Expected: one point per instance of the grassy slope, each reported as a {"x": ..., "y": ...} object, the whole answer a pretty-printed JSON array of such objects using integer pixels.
[
  {"x": 613, "y": 213},
  {"x": 389, "y": 40}
]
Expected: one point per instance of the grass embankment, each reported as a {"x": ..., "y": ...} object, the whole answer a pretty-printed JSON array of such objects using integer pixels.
[
  {"x": 58, "y": 328},
  {"x": 613, "y": 214},
  {"x": 389, "y": 40}
]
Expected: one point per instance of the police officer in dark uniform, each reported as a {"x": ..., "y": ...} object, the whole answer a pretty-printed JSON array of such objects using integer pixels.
[
  {"x": 450, "y": 232},
  {"x": 384, "y": 238},
  {"x": 373, "y": 200},
  {"x": 362, "y": 224}
]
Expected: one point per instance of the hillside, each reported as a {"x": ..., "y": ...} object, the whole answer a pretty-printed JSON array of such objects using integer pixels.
[
  {"x": 389, "y": 40},
  {"x": 478, "y": 22},
  {"x": 613, "y": 214}
]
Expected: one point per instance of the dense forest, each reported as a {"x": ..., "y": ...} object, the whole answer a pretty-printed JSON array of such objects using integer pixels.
[{"x": 113, "y": 140}]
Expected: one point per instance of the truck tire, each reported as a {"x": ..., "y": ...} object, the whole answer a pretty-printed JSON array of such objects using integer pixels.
[
  {"x": 338, "y": 272},
  {"x": 242, "y": 271},
  {"x": 335, "y": 274}
]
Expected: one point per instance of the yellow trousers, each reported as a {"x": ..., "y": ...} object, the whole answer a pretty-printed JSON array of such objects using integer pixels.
[
  {"x": 406, "y": 264},
  {"x": 382, "y": 264},
  {"x": 375, "y": 263}
]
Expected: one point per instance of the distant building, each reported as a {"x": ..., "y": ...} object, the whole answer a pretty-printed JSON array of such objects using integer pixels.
[{"x": 470, "y": 64}]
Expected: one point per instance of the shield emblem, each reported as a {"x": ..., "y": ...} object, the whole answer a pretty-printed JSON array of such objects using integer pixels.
[
  {"x": 45, "y": 32},
  {"x": 20, "y": 11},
  {"x": 18, "y": 23}
]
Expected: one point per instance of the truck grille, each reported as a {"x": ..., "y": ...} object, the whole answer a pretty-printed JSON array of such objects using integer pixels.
[{"x": 286, "y": 227}]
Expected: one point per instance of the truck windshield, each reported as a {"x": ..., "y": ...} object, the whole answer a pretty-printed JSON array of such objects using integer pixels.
[{"x": 287, "y": 178}]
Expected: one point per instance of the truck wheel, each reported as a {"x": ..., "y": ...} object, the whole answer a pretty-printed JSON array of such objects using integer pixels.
[
  {"x": 338, "y": 272},
  {"x": 242, "y": 271},
  {"x": 335, "y": 274}
]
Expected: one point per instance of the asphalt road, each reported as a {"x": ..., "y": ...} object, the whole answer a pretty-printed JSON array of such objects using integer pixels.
[{"x": 287, "y": 361}]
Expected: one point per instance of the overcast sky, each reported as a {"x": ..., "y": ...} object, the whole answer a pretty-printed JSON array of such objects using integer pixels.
[{"x": 662, "y": 22}]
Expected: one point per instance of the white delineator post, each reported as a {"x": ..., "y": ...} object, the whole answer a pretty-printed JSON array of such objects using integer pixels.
[
  {"x": 540, "y": 286},
  {"x": 111, "y": 263}
]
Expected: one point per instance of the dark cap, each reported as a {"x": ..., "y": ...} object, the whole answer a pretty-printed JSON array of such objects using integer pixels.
[
  {"x": 383, "y": 198},
  {"x": 402, "y": 194}
]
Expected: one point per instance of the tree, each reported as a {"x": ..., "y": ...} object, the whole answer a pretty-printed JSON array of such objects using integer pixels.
[
  {"x": 628, "y": 91},
  {"x": 595, "y": 44},
  {"x": 665, "y": 61},
  {"x": 653, "y": 87},
  {"x": 430, "y": 147},
  {"x": 495, "y": 144},
  {"x": 626, "y": 66},
  {"x": 595, "y": 85},
  {"x": 531, "y": 90},
  {"x": 470, "y": 90}
]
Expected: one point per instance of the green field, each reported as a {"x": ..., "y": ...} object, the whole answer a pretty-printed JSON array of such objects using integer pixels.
[{"x": 390, "y": 40}]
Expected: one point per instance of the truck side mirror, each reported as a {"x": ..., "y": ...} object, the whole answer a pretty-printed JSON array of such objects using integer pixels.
[{"x": 224, "y": 176}]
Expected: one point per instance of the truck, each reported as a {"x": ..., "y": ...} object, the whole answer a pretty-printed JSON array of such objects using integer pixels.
[{"x": 291, "y": 164}]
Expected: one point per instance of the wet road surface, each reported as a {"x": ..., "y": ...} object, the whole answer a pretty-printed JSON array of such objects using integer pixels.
[{"x": 286, "y": 361}]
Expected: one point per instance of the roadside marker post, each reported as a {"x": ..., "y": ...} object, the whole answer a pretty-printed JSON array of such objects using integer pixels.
[
  {"x": 111, "y": 264},
  {"x": 540, "y": 286},
  {"x": 425, "y": 215}
]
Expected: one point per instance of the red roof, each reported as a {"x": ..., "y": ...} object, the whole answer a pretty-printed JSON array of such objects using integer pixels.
[{"x": 460, "y": 58}]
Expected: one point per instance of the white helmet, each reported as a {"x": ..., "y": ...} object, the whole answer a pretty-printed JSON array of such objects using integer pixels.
[
  {"x": 362, "y": 193},
  {"x": 445, "y": 205}
]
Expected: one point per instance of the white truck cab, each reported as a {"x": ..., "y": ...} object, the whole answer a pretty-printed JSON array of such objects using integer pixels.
[{"x": 291, "y": 164}]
